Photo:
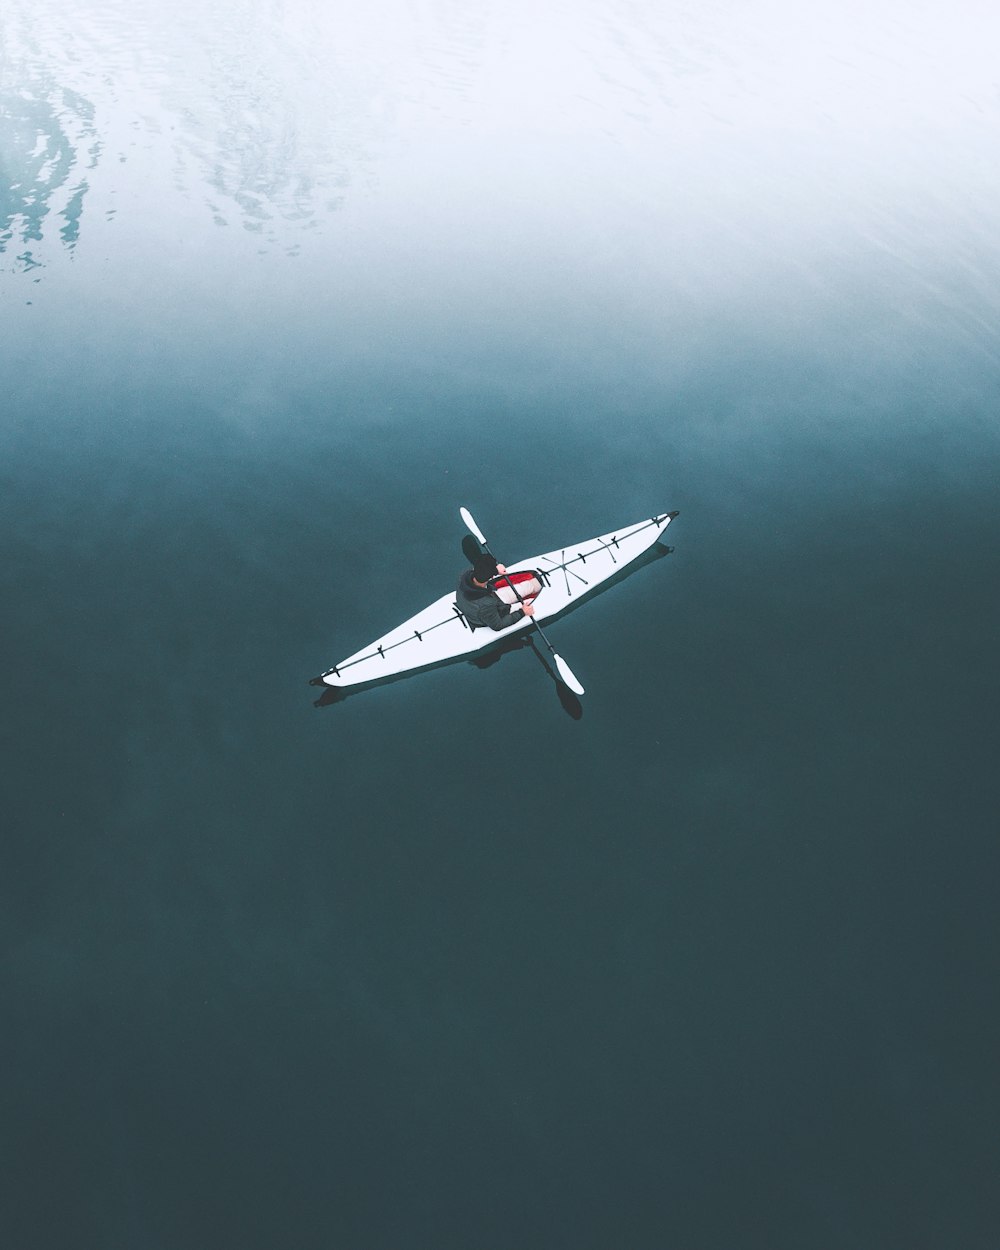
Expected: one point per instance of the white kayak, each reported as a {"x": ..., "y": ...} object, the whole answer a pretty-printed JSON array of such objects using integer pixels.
[{"x": 441, "y": 633}]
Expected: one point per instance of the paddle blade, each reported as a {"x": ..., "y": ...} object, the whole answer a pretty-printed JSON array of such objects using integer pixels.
[
  {"x": 567, "y": 674},
  {"x": 473, "y": 528}
]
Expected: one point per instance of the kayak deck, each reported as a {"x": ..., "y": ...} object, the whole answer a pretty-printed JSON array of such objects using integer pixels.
[{"x": 440, "y": 632}]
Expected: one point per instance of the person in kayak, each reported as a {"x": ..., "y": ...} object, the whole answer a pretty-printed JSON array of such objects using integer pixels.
[{"x": 477, "y": 602}]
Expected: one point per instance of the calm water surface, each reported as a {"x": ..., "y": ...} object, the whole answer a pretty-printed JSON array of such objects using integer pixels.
[{"x": 711, "y": 965}]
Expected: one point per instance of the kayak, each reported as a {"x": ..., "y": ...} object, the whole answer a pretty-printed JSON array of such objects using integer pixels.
[
  {"x": 555, "y": 582},
  {"x": 440, "y": 633}
]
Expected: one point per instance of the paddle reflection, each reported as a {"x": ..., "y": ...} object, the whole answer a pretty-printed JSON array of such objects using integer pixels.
[{"x": 569, "y": 702}]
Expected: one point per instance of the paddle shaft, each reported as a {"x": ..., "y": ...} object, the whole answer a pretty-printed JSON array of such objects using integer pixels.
[
  {"x": 564, "y": 670},
  {"x": 517, "y": 595}
]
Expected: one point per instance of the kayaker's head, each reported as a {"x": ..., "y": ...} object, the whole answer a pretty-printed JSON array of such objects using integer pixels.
[{"x": 483, "y": 568}]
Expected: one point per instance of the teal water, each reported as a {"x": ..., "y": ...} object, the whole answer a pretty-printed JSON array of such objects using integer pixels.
[{"x": 712, "y": 965}]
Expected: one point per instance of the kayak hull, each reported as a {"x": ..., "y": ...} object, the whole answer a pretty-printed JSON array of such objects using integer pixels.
[{"x": 440, "y": 633}]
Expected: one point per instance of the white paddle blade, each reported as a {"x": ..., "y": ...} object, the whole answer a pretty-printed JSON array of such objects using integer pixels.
[
  {"x": 567, "y": 674},
  {"x": 473, "y": 528}
]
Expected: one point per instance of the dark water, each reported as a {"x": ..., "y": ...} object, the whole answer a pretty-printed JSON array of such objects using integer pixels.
[{"x": 713, "y": 965}]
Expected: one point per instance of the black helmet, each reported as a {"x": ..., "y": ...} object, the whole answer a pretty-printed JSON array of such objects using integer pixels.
[{"x": 484, "y": 567}]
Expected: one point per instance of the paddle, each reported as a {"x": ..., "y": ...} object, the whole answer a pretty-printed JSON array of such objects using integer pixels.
[{"x": 565, "y": 672}]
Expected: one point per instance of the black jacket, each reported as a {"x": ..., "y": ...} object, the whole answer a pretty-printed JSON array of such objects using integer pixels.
[{"x": 481, "y": 607}]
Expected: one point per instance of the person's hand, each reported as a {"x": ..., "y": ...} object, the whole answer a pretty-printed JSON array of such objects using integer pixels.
[
  {"x": 528, "y": 609},
  {"x": 501, "y": 568}
]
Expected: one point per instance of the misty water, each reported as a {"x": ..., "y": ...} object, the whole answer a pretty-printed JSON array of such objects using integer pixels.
[{"x": 709, "y": 962}]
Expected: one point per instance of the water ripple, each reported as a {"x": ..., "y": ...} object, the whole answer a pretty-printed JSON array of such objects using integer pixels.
[
  {"x": 271, "y": 118},
  {"x": 48, "y": 141},
  {"x": 256, "y": 116}
]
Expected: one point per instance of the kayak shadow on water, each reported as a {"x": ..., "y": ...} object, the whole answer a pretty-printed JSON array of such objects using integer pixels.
[{"x": 571, "y": 705}]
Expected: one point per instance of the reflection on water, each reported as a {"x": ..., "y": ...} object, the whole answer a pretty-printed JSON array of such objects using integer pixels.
[
  {"x": 757, "y": 123},
  {"x": 266, "y": 126},
  {"x": 48, "y": 144},
  {"x": 251, "y": 114}
]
